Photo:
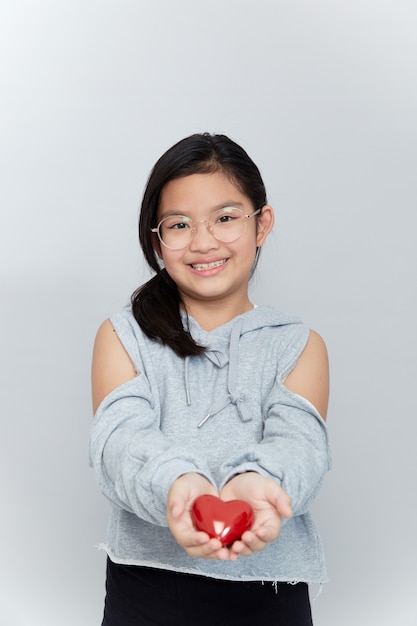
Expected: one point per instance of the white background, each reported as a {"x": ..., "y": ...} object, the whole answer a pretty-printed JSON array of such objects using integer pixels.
[{"x": 323, "y": 96}]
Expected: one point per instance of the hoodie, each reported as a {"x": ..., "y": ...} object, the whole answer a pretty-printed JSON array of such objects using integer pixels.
[{"x": 219, "y": 414}]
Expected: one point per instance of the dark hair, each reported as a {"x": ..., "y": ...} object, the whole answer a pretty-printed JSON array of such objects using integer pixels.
[{"x": 156, "y": 304}]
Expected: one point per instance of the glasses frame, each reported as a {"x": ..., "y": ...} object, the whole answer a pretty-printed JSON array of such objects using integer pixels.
[{"x": 208, "y": 221}]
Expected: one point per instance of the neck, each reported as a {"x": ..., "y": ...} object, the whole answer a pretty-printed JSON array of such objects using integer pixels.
[{"x": 210, "y": 315}]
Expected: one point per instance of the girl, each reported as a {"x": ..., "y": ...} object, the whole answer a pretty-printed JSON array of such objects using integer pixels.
[{"x": 197, "y": 391}]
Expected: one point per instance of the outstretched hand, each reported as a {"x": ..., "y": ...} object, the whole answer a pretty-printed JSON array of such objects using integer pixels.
[
  {"x": 269, "y": 503},
  {"x": 268, "y": 500},
  {"x": 181, "y": 496}
]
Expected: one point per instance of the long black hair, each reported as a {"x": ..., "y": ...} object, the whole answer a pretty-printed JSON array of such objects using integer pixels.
[{"x": 156, "y": 305}]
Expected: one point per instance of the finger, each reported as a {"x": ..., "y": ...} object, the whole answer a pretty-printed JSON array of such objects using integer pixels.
[
  {"x": 177, "y": 507},
  {"x": 211, "y": 550},
  {"x": 189, "y": 538},
  {"x": 267, "y": 518},
  {"x": 269, "y": 530},
  {"x": 253, "y": 543},
  {"x": 283, "y": 504},
  {"x": 239, "y": 548},
  {"x": 283, "y": 508}
]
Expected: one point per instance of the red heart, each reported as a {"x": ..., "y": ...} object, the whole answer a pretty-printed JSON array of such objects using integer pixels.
[{"x": 226, "y": 521}]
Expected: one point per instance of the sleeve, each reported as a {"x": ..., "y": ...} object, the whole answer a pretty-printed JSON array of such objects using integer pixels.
[
  {"x": 294, "y": 449},
  {"x": 135, "y": 463}
]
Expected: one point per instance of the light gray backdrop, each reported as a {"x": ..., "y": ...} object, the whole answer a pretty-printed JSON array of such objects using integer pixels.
[{"x": 323, "y": 95}]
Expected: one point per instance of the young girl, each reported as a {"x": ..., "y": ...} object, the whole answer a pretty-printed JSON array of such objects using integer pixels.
[{"x": 198, "y": 391}]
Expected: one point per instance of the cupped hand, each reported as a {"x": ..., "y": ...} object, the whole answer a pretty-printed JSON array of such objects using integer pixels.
[
  {"x": 269, "y": 503},
  {"x": 181, "y": 496}
]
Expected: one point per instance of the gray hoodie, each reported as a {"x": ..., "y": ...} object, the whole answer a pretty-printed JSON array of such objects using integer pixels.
[{"x": 218, "y": 414}]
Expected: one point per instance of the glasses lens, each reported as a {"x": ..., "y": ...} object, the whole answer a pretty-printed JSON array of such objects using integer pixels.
[
  {"x": 175, "y": 231},
  {"x": 228, "y": 224}
]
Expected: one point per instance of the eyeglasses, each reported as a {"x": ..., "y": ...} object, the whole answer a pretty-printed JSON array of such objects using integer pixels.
[{"x": 226, "y": 225}]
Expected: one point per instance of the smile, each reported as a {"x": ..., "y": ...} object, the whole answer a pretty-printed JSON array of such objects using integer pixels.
[{"x": 207, "y": 266}]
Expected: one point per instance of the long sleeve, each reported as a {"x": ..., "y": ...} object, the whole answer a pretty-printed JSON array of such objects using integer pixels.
[
  {"x": 134, "y": 461},
  {"x": 294, "y": 449}
]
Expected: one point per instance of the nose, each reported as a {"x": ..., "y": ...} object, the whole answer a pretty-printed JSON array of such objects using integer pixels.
[{"x": 202, "y": 237}]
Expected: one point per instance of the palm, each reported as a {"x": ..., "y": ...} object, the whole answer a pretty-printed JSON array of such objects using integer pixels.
[
  {"x": 269, "y": 503},
  {"x": 180, "y": 499}
]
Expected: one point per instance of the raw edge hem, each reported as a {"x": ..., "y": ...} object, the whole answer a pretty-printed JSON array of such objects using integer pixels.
[{"x": 196, "y": 572}]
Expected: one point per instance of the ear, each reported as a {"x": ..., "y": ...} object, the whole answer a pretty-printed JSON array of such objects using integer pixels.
[
  {"x": 265, "y": 223},
  {"x": 156, "y": 245}
]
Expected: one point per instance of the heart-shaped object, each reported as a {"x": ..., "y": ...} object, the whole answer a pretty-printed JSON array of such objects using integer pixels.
[{"x": 226, "y": 521}]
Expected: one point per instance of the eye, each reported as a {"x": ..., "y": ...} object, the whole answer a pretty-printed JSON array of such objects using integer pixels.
[
  {"x": 227, "y": 215},
  {"x": 176, "y": 222},
  {"x": 223, "y": 219}
]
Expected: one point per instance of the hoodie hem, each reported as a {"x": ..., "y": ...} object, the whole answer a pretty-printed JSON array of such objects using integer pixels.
[{"x": 267, "y": 578}]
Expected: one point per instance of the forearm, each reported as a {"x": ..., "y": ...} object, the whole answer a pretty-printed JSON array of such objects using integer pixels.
[
  {"x": 134, "y": 461},
  {"x": 294, "y": 449}
]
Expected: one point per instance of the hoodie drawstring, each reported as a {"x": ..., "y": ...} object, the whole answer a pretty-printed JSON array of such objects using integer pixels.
[{"x": 232, "y": 397}]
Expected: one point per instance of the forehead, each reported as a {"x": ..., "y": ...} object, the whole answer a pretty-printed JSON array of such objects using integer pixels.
[{"x": 199, "y": 193}]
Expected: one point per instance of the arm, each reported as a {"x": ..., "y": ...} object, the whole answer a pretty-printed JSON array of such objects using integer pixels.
[
  {"x": 111, "y": 365},
  {"x": 135, "y": 462},
  {"x": 310, "y": 377},
  {"x": 294, "y": 451}
]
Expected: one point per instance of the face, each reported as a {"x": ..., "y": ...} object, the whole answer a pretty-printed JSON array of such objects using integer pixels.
[{"x": 209, "y": 270}]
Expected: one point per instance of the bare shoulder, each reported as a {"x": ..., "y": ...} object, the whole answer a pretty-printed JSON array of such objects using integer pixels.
[
  {"x": 310, "y": 377},
  {"x": 111, "y": 365}
]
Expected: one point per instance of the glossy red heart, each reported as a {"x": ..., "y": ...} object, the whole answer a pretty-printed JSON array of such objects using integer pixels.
[{"x": 226, "y": 521}]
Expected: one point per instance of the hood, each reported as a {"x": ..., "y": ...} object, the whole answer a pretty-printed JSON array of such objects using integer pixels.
[{"x": 222, "y": 348}]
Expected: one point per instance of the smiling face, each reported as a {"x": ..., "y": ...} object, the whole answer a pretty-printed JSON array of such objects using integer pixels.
[{"x": 209, "y": 271}]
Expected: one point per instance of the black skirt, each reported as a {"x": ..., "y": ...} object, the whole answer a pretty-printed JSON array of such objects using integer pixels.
[{"x": 142, "y": 596}]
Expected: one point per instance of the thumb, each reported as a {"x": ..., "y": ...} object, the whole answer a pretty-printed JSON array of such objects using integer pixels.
[
  {"x": 283, "y": 504},
  {"x": 176, "y": 507},
  {"x": 280, "y": 500}
]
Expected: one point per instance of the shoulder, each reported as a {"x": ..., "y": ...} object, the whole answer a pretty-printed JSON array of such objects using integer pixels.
[
  {"x": 107, "y": 343},
  {"x": 283, "y": 336},
  {"x": 310, "y": 376},
  {"x": 111, "y": 366}
]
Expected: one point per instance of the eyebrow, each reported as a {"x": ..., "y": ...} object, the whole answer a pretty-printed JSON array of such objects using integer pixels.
[{"x": 222, "y": 205}]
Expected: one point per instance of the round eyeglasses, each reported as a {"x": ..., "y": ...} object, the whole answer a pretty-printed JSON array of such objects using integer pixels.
[{"x": 226, "y": 225}]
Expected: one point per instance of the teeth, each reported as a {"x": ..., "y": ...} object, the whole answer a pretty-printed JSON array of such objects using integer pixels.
[{"x": 207, "y": 266}]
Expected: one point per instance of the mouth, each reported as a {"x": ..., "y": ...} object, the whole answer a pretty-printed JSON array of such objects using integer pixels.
[{"x": 207, "y": 266}]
